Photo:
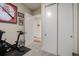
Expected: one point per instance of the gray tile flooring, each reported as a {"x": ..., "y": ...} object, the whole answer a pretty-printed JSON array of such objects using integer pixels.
[{"x": 36, "y": 51}]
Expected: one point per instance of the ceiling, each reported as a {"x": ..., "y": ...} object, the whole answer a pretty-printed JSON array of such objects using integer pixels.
[{"x": 33, "y": 6}]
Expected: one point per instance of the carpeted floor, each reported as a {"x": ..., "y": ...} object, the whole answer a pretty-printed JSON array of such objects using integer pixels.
[{"x": 37, "y": 51}]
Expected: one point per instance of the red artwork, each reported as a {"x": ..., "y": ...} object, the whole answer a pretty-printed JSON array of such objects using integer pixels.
[{"x": 8, "y": 13}]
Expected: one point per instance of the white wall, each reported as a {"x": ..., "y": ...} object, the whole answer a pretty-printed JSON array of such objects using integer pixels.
[
  {"x": 11, "y": 29},
  {"x": 28, "y": 28}
]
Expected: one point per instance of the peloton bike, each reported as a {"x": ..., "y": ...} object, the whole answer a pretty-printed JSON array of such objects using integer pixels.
[{"x": 6, "y": 47}]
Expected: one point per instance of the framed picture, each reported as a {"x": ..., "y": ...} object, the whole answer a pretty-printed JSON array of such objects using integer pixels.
[
  {"x": 20, "y": 14},
  {"x": 21, "y": 18},
  {"x": 8, "y": 13}
]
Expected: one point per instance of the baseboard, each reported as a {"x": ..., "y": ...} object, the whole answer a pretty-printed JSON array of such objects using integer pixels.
[{"x": 75, "y": 54}]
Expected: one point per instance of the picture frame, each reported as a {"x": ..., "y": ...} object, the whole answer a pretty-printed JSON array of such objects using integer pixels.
[
  {"x": 8, "y": 13},
  {"x": 21, "y": 18}
]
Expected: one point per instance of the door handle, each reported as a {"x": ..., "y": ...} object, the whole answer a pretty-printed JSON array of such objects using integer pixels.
[
  {"x": 71, "y": 36},
  {"x": 45, "y": 34}
]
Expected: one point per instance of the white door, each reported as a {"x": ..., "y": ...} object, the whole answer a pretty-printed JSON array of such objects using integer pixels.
[
  {"x": 65, "y": 29},
  {"x": 50, "y": 41},
  {"x": 28, "y": 29}
]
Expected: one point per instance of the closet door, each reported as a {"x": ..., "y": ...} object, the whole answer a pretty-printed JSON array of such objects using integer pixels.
[
  {"x": 50, "y": 41},
  {"x": 65, "y": 29}
]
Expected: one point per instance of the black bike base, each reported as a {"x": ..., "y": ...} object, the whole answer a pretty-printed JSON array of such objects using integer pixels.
[{"x": 18, "y": 53}]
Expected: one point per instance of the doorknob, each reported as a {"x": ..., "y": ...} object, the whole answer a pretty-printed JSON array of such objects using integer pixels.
[
  {"x": 45, "y": 34},
  {"x": 71, "y": 36}
]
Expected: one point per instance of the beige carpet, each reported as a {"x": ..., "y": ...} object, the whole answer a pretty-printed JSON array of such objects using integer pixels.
[{"x": 36, "y": 50}]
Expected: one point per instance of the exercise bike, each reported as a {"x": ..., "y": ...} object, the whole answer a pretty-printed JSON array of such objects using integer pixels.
[
  {"x": 6, "y": 47},
  {"x": 16, "y": 46}
]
